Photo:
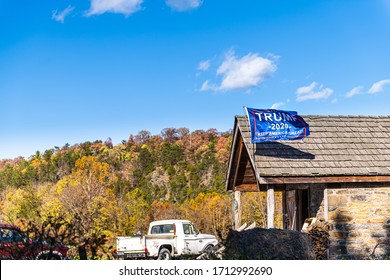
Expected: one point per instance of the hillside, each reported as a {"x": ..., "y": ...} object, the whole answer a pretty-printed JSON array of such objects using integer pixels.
[
  {"x": 88, "y": 193},
  {"x": 173, "y": 166}
]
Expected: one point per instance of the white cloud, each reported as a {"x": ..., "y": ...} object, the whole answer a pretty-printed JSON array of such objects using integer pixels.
[
  {"x": 379, "y": 86},
  {"x": 239, "y": 73},
  {"x": 307, "y": 89},
  {"x": 243, "y": 72},
  {"x": 354, "y": 91},
  {"x": 60, "y": 16},
  {"x": 279, "y": 104},
  {"x": 126, "y": 7},
  {"x": 206, "y": 86},
  {"x": 313, "y": 92},
  {"x": 184, "y": 5},
  {"x": 204, "y": 65}
]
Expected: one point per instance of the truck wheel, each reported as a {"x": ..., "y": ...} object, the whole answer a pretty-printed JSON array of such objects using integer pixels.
[
  {"x": 208, "y": 249},
  {"x": 164, "y": 254},
  {"x": 49, "y": 257}
]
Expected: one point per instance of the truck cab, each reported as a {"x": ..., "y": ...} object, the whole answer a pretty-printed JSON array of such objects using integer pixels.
[{"x": 166, "y": 239}]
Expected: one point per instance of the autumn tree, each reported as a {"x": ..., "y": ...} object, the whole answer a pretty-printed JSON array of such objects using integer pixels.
[
  {"x": 169, "y": 134},
  {"x": 211, "y": 212},
  {"x": 165, "y": 210},
  {"x": 90, "y": 192},
  {"x": 20, "y": 204},
  {"x": 134, "y": 212},
  {"x": 142, "y": 136},
  {"x": 83, "y": 196}
]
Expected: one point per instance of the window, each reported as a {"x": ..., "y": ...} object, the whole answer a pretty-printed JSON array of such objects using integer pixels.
[
  {"x": 188, "y": 229},
  {"x": 162, "y": 229},
  {"x": 10, "y": 235}
]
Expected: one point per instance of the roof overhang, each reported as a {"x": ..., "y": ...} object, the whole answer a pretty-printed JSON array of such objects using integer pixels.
[
  {"x": 244, "y": 175},
  {"x": 267, "y": 181}
]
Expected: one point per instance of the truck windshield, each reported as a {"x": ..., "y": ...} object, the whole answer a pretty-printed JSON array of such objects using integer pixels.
[{"x": 162, "y": 229}]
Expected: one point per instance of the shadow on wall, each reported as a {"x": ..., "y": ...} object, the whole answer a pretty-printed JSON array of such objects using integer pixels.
[
  {"x": 340, "y": 235},
  {"x": 382, "y": 248},
  {"x": 349, "y": 240}
]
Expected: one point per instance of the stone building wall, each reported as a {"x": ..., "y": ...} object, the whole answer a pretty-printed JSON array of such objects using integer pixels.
[
  {"x": 360, "y": 215},
  {"x": 316, "y": 201}
]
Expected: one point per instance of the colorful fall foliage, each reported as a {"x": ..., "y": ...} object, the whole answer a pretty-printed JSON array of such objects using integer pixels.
[{"x": 89, "y": 193}]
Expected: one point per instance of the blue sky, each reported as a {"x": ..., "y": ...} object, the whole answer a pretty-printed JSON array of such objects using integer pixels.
[{"x": 74, "y": 71}]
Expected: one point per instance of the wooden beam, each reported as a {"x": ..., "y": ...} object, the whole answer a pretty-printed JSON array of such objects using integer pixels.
[
  {"x": 270, "y": 207},
  {"x": 324, "y": 179},
  {"x": 238, "y": 161},
  {"x": 237, "y": 209},
  {"x": 247, "y": 188},
  {"x": 326, "y": 208},
  {"x": 310, "y": 180},
  {"x": 232, "y": 162}
]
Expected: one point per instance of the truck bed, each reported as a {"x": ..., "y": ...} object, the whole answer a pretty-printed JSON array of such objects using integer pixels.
[
  {"x": 131, "y": 247},
  {"x": 134, "y": 247}
]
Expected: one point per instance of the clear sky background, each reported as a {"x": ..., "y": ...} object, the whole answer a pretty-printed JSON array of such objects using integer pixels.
[{"x": 83, "y": 70}]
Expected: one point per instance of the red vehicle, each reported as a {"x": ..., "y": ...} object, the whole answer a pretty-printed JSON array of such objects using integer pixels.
[{"x": 15, "y": 245}]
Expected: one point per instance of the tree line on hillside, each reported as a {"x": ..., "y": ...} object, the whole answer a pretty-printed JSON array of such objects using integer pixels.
[{"x": 87, "y": 194}]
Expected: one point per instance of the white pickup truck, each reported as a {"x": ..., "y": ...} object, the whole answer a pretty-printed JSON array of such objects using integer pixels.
[{"x": 165, "y": 239}]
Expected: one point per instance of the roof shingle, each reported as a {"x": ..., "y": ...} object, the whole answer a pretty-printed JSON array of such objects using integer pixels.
[{"x": 338, "y": 145}]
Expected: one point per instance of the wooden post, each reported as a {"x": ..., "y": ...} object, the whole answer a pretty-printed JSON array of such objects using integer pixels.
[
  {"x": 326, "y": 208},
  {"x": 270, "y": 207},
  {"x": 326, "y": 212},
  {"x": 237, "y": 209}
]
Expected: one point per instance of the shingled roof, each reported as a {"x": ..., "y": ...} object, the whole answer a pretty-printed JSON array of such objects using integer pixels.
[{"x": 339, "y": 146}]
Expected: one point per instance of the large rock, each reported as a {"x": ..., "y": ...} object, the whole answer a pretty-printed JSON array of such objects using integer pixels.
[{"x": 268, "y": 244}]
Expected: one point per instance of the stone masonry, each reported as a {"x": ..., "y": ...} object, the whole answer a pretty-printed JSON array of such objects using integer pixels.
[{"x": 360, "y": 216}]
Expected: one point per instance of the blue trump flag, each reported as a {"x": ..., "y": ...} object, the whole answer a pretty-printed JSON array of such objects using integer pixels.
[{"x": 271, "y": 125}]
